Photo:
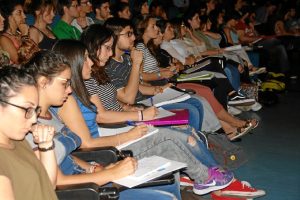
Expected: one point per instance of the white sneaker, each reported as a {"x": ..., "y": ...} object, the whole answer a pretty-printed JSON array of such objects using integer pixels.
[
  {"x": 256, "y": 107},
  {"x": 233, "y": 111}
]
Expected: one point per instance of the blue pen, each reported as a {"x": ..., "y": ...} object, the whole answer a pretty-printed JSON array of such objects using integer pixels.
[
  {"x": 151, "y": 100},
  {"x": 130, "y": 123}
]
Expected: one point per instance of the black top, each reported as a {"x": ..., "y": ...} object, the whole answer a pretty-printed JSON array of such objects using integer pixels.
[{"x": 46, "y": 42}]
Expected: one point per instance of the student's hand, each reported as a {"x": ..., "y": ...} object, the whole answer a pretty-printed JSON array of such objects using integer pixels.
[
  {"x": 138, "y": 131},
  {"x": 24, "y": 29},
  {"x": 43, "y": 135},
  {"x": 136, "y": 57},
  {"x": 124, "y": 168},
  {"x": 166, "y": 73},
  {"x": 150, "y": 113}
]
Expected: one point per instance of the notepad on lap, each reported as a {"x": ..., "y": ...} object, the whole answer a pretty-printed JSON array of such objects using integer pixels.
[
  {"x": 197, "y": 76},
  {"x": 150, "y": 168},
  {"x": 198, "y": 66},
  {"x": 168, "y": 96},
  {"x": 233, "y": 48},
  {"x": 111, "y": 132},
  {"x": 180, "y": 117}
]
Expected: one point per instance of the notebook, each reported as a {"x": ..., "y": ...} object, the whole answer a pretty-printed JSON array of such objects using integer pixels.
[
  {"x": 233, "y": 48},
  {"x": 111, "y": 132},
  {"x": 198, "y": 66},
  {"x": 150, "y": 168},
  {"x": 197, "y": 76},
  {"x": 168, "y": 96},
  {"x": 180, "y": 117}
]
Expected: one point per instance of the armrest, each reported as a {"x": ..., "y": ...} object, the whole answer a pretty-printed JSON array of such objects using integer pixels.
[
  {"x": 101, "y": 155},
  {"x": 85, "y": 191},
  {"x": 163, "y": 180}
]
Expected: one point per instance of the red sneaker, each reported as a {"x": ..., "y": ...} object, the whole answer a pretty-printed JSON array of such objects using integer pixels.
[
  {"x": 237, "y": 190},
  {"x": 216, "y": 197},
  {"x": 186, "y": 181}
]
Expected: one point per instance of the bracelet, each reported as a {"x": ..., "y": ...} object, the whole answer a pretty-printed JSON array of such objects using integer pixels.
[
  {"x": 47, "y": 149},
  {"x": 140, "y": 115}
]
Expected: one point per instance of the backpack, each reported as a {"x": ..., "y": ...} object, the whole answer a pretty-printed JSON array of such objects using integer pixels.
[{"x": 230, "y": 156}]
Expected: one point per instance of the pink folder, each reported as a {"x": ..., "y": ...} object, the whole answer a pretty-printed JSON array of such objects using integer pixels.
[{"x": 181, "y": 117}]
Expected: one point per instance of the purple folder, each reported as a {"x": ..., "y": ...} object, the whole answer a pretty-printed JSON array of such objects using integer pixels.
[{"x": 181, "y": 117}]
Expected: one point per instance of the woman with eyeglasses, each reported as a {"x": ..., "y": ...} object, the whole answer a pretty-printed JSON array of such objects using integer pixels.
[
  {"x": 52, "y": 73},
  {"x": 24, "y": 175}
]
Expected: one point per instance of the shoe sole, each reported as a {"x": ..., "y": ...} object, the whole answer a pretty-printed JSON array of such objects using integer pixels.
[
  {"x": 241, "y": 195},
  {"x": 241, "y": 103},
  {"x": 210, "y": 189}
]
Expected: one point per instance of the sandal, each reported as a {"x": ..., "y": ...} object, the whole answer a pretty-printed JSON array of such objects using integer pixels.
[
  {"x": 250, "y": 122},
  {"x": 240, "y": 131}
]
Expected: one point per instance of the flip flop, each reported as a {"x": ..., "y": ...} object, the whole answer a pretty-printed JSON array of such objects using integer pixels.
[
  {"x": 253, "y": 126},
  {"x": 240, "y": 131}
]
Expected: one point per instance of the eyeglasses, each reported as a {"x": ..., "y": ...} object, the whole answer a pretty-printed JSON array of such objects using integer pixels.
[
  {"x": 129, "y": 34},
  {"x": 29, "y": 112},
  {"x": 67, "y": 81}
]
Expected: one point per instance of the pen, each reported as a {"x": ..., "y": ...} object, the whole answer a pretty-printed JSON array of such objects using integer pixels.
[
  {"x": 151, "y": 100},
  {"x": 131, "y": 123}
]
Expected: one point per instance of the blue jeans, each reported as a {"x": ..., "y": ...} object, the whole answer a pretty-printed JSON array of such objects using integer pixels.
[
  {"x": 233, "y": 76},
  {"x": 195, "y": 108},
  {"x": 173, "y": 143}
]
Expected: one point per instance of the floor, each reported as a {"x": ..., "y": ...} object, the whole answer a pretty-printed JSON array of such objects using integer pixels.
[{"x": 274, "y": 149}]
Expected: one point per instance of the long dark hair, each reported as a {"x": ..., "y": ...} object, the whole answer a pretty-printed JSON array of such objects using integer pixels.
[
  {"x": 7, "y": 7},
  {"x": 74, "y": 52},
  {"x": 94, "y": 37}
]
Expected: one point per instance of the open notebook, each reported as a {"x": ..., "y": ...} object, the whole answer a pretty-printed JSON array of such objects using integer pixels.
[
  {"x": 200, "y": 64},
  {"x": 115, "y": 131},
  {"x": 180, "y": 117},
  {"x": 168, "y": 96},
  {"x": 150, "y": 168},
  {"x": 233, "y": 48},
  {"x": 197, "y": 76}
]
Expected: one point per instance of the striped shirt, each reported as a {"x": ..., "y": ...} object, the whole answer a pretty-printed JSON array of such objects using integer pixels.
[
  {"x": 107, "y": 94},
  {"x": 150, "y": 63}
]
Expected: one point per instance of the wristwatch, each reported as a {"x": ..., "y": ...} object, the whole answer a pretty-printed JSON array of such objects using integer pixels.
[{"x": 158, "y": 74}]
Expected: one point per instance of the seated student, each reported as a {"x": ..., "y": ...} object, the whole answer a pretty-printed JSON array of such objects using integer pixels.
[
  {"x": 41, "y": 32},
  {"x": 101, "y": 10},
  {"x": 124, "y": 72},
  {"x": 69, "y": 10},
  {"x": 80, "y": 65},
  {"x": 22, "y": 174},
  {"x": 52, "y": 73},
  {"x": 14, "y": 28},
  {"x": 53, "y": 78},
  {"x": 122, "y": 10},
  {"x": 104, "y": 92},
  {"x": 83, "y": 21}
]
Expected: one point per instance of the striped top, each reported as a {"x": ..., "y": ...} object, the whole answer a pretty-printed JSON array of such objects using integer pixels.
[
  {"x": 150, "y": 63},
  {"x": 107, "y": 93}
]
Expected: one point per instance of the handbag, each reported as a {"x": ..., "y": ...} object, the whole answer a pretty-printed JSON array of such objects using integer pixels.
[{"x": 230, "y": 156}]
